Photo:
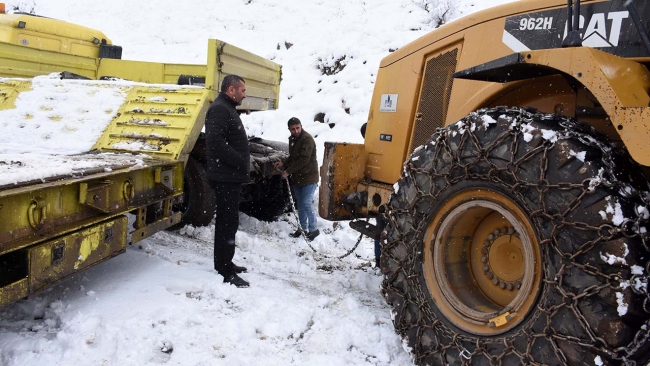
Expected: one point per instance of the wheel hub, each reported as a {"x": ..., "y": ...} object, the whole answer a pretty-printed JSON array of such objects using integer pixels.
[
  {"x": 503, "y": 259},
  {"x": 482, "y": 262}
]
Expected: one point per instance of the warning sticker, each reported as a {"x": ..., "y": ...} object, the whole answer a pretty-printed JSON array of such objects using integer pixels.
[{"x": 388, "y": 103}]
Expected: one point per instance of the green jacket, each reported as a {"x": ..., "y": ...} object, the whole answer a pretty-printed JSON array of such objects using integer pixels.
[{"x": 302, "y": 164}]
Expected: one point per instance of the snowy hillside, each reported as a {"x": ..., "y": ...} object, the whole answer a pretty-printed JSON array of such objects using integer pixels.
[
  {"x": 303, "y": 36},
  {"x": 162, "y": 302}
]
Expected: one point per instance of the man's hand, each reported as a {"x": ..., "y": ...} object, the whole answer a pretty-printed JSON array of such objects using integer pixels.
[
  {"x": 285, "y": 174},
  {"x": 277, "y": 165}
]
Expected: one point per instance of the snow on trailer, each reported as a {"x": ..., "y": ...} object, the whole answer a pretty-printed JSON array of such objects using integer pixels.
[{"x": 52, "y": 128}]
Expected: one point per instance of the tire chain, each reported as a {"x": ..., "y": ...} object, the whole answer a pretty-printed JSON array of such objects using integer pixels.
[{"x": 454, "y": 343}]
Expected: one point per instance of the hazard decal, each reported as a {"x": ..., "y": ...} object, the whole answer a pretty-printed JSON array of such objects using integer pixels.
[{"x": 606, "y": 25}]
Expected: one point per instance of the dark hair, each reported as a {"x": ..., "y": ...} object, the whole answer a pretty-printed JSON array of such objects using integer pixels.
[
  {"x": 230, "y": 80},
  {"x": 293, "y": 121}
]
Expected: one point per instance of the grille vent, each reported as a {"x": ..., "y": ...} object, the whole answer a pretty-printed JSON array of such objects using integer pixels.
[{"x": 434, "y": 97}]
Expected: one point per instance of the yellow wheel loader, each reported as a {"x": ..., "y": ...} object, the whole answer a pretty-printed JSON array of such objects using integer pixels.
[
  {"x": 148, "y": 159},
  {"x": 508, "y": 154}
]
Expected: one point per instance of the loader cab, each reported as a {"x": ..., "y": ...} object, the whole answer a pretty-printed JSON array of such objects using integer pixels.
[{"x": 47, "y": 34}]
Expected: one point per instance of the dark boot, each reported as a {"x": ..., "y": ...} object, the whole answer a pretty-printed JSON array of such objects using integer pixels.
[
  {"x": 238, "y": 269},
  {"x": 233, "y": 279},
  {"x": 296, "y": 234},
  {"x": 313, "y": 234}
]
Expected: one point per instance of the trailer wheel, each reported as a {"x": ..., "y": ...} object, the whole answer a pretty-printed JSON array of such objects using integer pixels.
[
  {"x": 270, "y": 202},
  {"x": 198, "y": 197},
  {"x": 516, "y": 237}
]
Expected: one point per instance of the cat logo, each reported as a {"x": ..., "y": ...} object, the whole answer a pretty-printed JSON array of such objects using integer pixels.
[
  {"x": 603, "y": 29},
  {"x": 604, "y": 25}
]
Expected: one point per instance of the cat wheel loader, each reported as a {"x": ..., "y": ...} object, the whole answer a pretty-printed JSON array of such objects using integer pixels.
[
  {"x": 147, "y": 159},
  {"x": 508, "y": 154}
]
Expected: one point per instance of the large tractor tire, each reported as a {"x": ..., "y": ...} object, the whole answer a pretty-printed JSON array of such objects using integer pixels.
[
  {"x": 515, "y": 237},
  {"x": 198, "y": 197}
]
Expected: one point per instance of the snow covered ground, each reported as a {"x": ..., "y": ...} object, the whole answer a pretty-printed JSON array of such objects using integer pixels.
[{"x": 162, "y": 302}]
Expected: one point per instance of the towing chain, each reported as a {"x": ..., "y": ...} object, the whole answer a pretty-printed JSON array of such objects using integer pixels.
[{"x": 304, "y": 236}]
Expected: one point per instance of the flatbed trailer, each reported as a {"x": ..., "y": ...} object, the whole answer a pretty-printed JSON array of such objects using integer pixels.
[{"x": 53, "y": 225}]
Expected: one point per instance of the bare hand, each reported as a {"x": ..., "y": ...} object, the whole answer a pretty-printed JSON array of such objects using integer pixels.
[
  {"x": 277, "y": 165},
  {"x": 285, "y": 174}
]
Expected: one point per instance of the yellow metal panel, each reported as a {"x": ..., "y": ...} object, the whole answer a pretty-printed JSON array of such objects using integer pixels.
[
  {"x": 66, "y": 33},
  {"x": 14, "y": 291},
  {"x": 40, "y": 41},
  {"x": 148, "y": 72},
  {"x": 18, "y": 61},
  {"x": 262, "y": 76},
  {"x": 9, "y": 90},
  {"x": 340, "y": 173},
  {"x": 173, "y": 71},
  {"x": 158, "y": 122},
  {"x": 51, "y": 261},
  {"x": 145, "y": 72},
  {"x": 620, "y": 85},
  {"x": 118, "y": 191}
]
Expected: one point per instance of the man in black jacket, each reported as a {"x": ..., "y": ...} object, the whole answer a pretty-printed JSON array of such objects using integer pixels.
[{"x": 228, "y": 163}]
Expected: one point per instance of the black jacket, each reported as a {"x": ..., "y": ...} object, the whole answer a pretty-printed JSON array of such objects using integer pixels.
[{"x": 227, "y": 148}]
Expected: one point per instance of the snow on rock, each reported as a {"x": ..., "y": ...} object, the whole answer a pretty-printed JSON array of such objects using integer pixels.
[{"x": 598, "y": 361}]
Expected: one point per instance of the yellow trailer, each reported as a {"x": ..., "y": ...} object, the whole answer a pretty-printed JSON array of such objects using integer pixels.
[{"x": 148, "y": 161}]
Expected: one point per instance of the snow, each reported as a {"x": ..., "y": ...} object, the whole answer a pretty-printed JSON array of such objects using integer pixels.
[
  {"x": 549, "y": 135},
  {"x": 161, "y": 301},
  {"x": 598, "y": 361},
  {"x": 579, "y": 155},
  {"x": 612, "y": 259},
  {"x": 637, "y": 270},
  {"x": 613, "y": 211},
  {"x": 487, "y": 121},
  {"x": 527, "y": 130},
  {"x": 622, "y": 305}
]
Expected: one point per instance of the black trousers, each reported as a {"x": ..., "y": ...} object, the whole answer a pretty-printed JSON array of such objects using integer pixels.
[{"x": 227, "y": 200}]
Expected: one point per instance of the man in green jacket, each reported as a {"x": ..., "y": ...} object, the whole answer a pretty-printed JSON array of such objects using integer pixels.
[{"x": 303, "y": 169}]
